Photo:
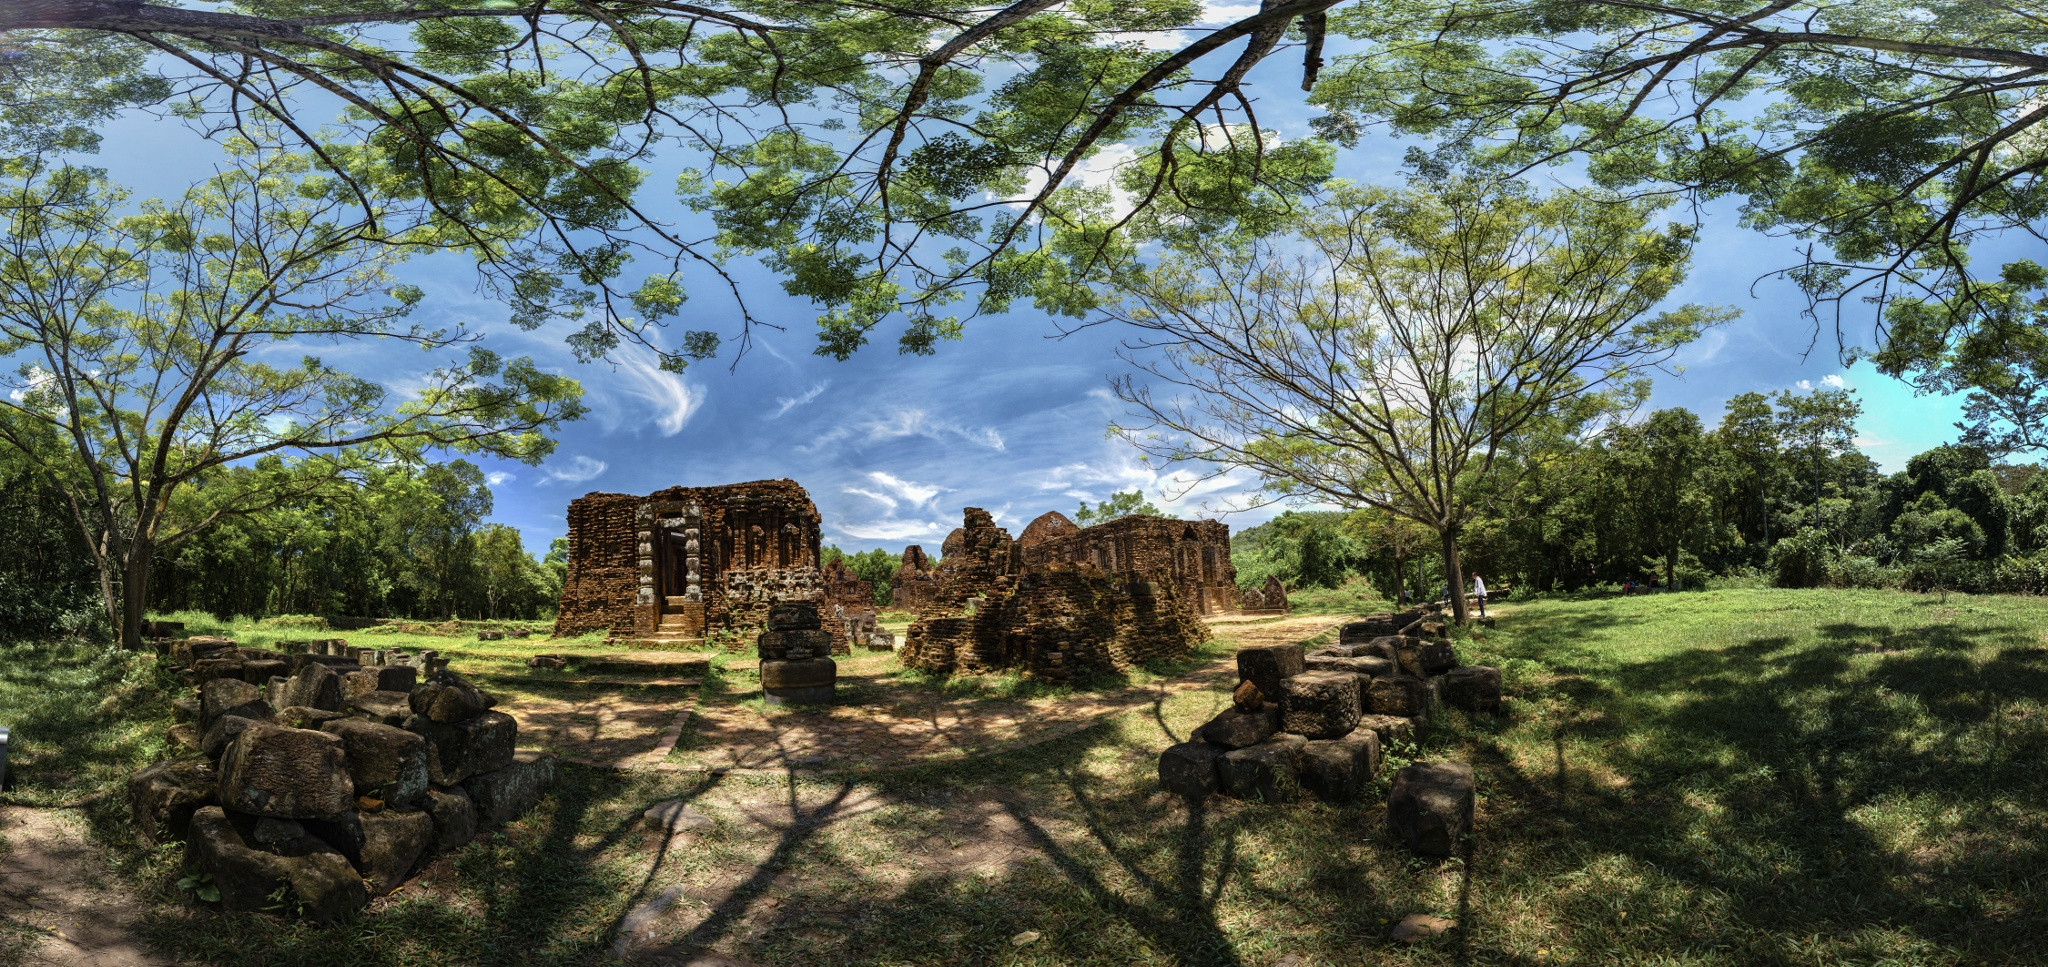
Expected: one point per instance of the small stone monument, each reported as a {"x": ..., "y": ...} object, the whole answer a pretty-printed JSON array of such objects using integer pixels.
[{"x": 796, "y": 663}]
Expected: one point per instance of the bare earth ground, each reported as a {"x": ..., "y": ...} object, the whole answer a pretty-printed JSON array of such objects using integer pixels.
[
  {"x": 60, "y": 903},
  {"x": 880, "y": 723}
]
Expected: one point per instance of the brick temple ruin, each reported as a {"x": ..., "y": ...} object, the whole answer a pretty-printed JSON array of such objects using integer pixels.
[
  {"x": 998, "y": 603},
  {"x": 1191, "y": 555},
  {"x": 686, "y": 562}
]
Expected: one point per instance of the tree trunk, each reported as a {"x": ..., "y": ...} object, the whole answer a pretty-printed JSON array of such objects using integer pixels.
[
  {"x": 1454, "y": 576},
  {"x": 1400, "y": 579},
  {"x": 135, "y": 593},
  {"x": 1671, "y": 570}
]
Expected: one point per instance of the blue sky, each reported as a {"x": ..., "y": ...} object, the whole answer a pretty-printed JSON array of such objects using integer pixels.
[{"x": 1010, "y": 418}]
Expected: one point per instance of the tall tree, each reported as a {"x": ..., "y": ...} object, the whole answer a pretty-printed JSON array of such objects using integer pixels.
[
  {"x": 1817, "y": 428},
  {"x": 1123, "y": 503},
  {"x": 884, "y": 158},
  {"x": 1892, "y": 133},
  {"x": 1663, "y": 462},
  {"x": 142, "y": 340},
  {"x": 1387, "y": 350}
]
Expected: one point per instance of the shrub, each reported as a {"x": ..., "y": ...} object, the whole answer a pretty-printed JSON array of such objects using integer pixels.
[
  {"x": 1801, "y": 561},
  {"x": 1858, "y": 571}
]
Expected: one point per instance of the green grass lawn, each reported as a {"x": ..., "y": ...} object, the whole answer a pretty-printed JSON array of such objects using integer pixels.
[{"x": 1727, "y": 777}]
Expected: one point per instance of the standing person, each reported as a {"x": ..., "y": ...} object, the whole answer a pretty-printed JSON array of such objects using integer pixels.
[{"x": 1479, "y": 592}]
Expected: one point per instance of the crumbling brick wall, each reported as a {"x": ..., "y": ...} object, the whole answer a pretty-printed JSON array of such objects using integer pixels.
[
  {"x": 916, "y": 581},
  {"x": 1191, "y": 555},
  {"x": 1054, "y": 621},
  {"x": 851, "y": 592},
  {"x": 631, "y": 559}
]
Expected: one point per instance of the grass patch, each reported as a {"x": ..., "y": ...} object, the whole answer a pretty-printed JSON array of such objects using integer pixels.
[{"x": 1729, "y": 777}]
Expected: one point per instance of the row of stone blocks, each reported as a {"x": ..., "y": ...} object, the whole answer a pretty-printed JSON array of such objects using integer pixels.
[
  {"x": 327, "y": 794},
  {"x": 796, "y": 663},
  {"x": 1317, "y": 723}
]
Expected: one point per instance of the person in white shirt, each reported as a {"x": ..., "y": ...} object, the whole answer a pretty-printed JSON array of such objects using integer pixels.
[{"x": 1479, "y": 593}]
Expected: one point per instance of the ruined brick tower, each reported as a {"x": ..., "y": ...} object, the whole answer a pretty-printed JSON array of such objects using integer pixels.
[{"x": 687, "y": 561}]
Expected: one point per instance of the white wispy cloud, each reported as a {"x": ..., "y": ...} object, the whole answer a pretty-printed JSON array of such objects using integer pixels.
[
  {"x": 667, "y": 397},
  {"x": 894, "y": 530},
  {"x": 903, "y": 422},
  {"x": 580, "y": 469},
  {"x": 1225, "y": 13},
  {"x": 880, "y": 498},
  {"x": 911, "y": 491},
  {"x": 787, "y": 403},
  {"x": 1804, "y": 385},
  {"x": 1834, "y": 381},
  {"x": 499, "y": 478}
]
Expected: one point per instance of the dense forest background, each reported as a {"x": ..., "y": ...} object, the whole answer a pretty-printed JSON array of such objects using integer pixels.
[{"x": 1776, "y": 493}]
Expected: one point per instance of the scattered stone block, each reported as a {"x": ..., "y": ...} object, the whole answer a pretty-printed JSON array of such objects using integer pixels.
[
  {"x": 794, "y": 616},
  {"x": 269, "y": 770},
  {"x": 453, "y": 814},
  {"x": 1189, "y": 769},
  {"x": 1430, "y": 806},
  {"x": 795, "y": 645},
  {"x": 184, "y": 738},
  {"x": 396, "y": 678},
  {"x": 1422, "y": 657},
  {"x": 1474, "y": 688},
  {"x": 502, "y": 795},
  {"x": 1319, "y": 704},
  {"x": 447, "y": 698},
  {"x": 301, "y": 717},
  {"x": 185, "y": 708},
  {"x": 230, "y": 696},
  {"x": 1340, "y": 770},
  {"x": 1266, "y": 666},
  {"x": 459, "y": 750},
  {"x": 259, "y": 670},
  {"x": 1397, "y": 695},
  {"x": 393, "y": 842},
  {"x": 223, "y": 731},
  {"x": 1368, "y": 667},
  {"x": 383, "y": 761},
  {"x": 1247, "y": 698},
  {"x": 314, "y": 686},
  {"x": 1233, "y": 729},
  {"x": 164, "y": 796},
  {"x": 1263, "y": 773},
  {"x": 674, "y": 817},
  {"x": 1417, "y": 927},
  {"x": 322, "y": 884},
  {"x": 387, "y": 708},
  {"x": 1394, "y": 728}
]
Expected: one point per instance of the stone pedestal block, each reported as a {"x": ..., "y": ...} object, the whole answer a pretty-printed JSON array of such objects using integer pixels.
[
  {"x": 1233, "y": 729},
  {"x": 383, "y": 761},
  {"x": 230, "y": 696},
  {"x": 164, "y": 796},
  {"x": 315, "y": 686},
  {"x": 1397, "y": 695},
  {"x": 1267, "y": 772},
  {"x": 1394, "y": 728},
  {"x": 1474, "y": 688},
  {"x": 503, "y": 795},
  {"x": 1430, "y": 806},
  {"x": 454, "y": 817},
  {"x": 1422, "y": 658},
  {"x": 393, "y": 842},
  {"x": 794, "y": 616},
  {"x": 321, "y": 883},
  {"x": 458, "y": 750},
  {"x": 808, "y": 682},
  {"x": 1340, "y": 770},
  {"x": 1189, "y": 769},
  {"x": 270, "y": 770},
  {"x": 1319, "y": 704},
  {"x": 795, "y": 645},
  {"x": 1266, "y": 666}
]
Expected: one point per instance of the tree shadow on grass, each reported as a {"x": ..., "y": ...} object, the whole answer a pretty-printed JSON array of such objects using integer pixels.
[{"x": 1773, "y": 790}]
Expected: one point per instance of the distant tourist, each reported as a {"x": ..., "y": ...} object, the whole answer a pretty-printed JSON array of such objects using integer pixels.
[{"x": 1479, "y": 593}]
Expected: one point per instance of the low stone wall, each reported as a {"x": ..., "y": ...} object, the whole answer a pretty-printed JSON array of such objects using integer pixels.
[{"x": 310, "y": 782}]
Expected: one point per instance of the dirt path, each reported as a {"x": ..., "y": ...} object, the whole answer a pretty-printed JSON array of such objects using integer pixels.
[
  {"x": 880, "y": 724},
  {"x": 59, "y": 901}
]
